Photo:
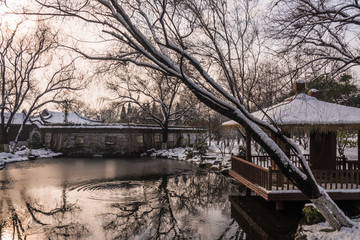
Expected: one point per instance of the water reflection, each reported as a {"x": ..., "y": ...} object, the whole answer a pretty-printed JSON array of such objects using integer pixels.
[
  {"x": 114, "y": 199},
  {"x": 260, "y": 220}
]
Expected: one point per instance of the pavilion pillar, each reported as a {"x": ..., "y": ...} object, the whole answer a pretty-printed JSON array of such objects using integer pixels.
[
  {"x": 248, "y": 146},
  {"x": 323, "y": 150}
]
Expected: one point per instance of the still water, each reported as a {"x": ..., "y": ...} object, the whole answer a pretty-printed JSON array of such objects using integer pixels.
[{"x": 115, "y": 199}]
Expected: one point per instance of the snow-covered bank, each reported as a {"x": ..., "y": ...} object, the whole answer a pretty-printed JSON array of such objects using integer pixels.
[
  {"x": 25, "y": 154},
  {"x": 211, "y": 160},
  {"x": 324, "y": 232}
]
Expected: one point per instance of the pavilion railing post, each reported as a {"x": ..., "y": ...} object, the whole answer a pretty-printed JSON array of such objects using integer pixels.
[{"x": 270, "y": 178}]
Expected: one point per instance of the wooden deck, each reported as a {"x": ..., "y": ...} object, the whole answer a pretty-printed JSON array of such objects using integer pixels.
[{"x": 259, "y": 176}]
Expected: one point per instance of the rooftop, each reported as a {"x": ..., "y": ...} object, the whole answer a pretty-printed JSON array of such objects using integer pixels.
[
  {"x": 50, "y": 117},
  {"x": 307, "y": 112}
]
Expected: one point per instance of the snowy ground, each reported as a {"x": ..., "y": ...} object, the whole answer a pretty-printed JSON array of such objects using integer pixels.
[
  {"x": 324, "y": 232},
  {"x": 25, "y": 154}
]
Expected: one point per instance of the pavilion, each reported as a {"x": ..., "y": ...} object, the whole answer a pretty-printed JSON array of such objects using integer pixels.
[{"x": 304, "y": 113}]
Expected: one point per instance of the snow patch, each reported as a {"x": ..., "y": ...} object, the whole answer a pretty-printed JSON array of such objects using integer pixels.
[
  {"x": 25, "y": 154},
  {"x": 324, "y": 232},
  {"x": 212, "y": 160}
]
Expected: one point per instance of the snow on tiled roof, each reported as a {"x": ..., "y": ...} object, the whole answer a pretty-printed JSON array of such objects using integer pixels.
[
  {"x": 56, "y": 120},
  {"x": 304, "y": 110},
  {"x": 18, "y": 118},
  {"x": 50, "y": 117}
]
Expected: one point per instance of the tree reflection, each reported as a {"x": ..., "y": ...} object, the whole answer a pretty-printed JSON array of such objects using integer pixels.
[
  {"x": 180, "y": 205},
  {"x": 174, "y": 210},
  {"x": 17, "y": 226},
  {"x": 64, "y": 208},
  {"x": 56, "y": 223},
  {"x": 61, "y": 221}
]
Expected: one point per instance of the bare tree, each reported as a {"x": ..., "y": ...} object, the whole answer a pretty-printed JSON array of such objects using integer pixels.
[
  {"x": 158, "y": 33},
  {"x": 27, "y": 77},
  {"x": 157, "y": 98},
  {"x": 321, "y": 32}
]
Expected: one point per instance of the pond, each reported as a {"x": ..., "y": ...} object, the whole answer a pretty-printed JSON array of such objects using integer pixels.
[{"x": 117, "y": 199}]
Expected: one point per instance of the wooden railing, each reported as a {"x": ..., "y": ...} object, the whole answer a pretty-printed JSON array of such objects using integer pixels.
[
  {"x": 296, "y": 162},
  {"x": 262, "y": 161},
  {"x": 338, "y": 179},
  {"x": 279, "y": 181},
  {"x": 265, "y": 161},
  {"x": 342, "y": 163},
  {"x": 273, "y": 179},
  {"x": 250, "y": 171}
]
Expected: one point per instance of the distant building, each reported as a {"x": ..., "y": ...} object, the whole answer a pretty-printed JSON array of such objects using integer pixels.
[{"x": 75, "y": 135}]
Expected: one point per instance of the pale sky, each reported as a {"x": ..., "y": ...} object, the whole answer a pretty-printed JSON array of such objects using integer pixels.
[{"x": 80, "y": 30}]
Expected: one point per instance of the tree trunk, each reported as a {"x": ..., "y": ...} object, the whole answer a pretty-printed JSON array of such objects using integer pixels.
[
  {"x": 165, "y": 137},
  {"x": 331, "y": 212},
  {"x": 5, "y": 139},
  {"x": 17, "y": 136}
]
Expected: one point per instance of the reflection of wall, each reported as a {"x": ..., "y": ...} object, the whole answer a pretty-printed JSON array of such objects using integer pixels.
[{"x": 121, "y": 141}]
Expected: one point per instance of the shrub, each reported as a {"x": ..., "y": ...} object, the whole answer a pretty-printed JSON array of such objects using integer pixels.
[
  {"x": 201, "y": 147},
  {"x": 312, "y": 215},
  {"x": 35, "y": 143}
]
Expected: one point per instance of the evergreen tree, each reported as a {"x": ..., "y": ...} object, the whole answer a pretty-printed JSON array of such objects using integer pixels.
[
  {"x": 341, "y": 90},
  {"x": 123, "y": 114}
]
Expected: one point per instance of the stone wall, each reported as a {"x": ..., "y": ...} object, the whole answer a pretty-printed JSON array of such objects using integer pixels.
[{"x": 117, "y": 142}]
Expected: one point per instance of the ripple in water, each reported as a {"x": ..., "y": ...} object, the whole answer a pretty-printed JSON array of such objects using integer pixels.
[{"x": 115, "y": 191}]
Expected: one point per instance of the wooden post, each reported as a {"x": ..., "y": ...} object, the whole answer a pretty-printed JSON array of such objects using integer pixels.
[
  {"x": 248, "y": 157},
  {"x": 248, "y": 146},
  {"x": 270, "y": 179}
]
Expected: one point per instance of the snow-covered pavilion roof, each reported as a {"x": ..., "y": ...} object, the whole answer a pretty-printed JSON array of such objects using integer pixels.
[
  {"x": 306, "y": 112},
  {"x": 50, "y": 117}
]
